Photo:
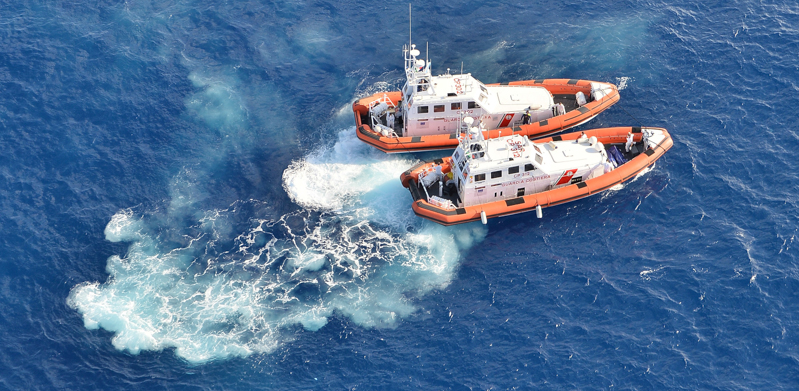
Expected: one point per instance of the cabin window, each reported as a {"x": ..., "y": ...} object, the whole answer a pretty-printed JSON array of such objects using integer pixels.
[
  {"x": 479, "y": 177},
  {"x": 513, "y": 170},
  {"x": 536, "y": 148},
  {"x": 483, "y": 88},
  {"x": 539, "y": 159},
  {"x": 496, "y": 174},
  {"x": 422, "y": 110},
  {"x": 520, "y": 192},
  {"x": 483, "y": 98},
  {"x": 455, "y": 106},
  {"x": 438, "y": 108},
  {"x": 472, "y": 105},
  {"x": 528, "y": 167}
]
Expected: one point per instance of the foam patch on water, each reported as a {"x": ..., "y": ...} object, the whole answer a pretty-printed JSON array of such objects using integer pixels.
[
  {"x": 330, "y": 178},
  {"x": 621, "y": 82},
  {"x": 233, "y": 284}
]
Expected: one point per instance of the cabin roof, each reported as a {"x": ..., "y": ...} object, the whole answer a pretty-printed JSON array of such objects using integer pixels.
[
  {"x": 519, "y": 98},
  {"x": 464, "y": 87},
  {"x": 516, "y": 150}
]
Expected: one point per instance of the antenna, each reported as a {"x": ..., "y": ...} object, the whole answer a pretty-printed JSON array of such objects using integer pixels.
[
  {"x": 410, "y": 40},
  {"x": 461, "y": 67}
]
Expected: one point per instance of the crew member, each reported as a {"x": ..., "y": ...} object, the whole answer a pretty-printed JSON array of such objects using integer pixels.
[
  {"x": 390, "y": 120},
  {"x": 629, "y": 144},
  {"x": 526, "y": 117}
]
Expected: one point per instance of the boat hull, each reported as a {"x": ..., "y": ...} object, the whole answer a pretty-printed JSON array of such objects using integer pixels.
[
  {"x": 545, "y": 199},
  {"x": 537, "y": 129}
]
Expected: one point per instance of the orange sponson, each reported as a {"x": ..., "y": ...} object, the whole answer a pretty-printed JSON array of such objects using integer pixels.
[{"x": 548, "y": 198}]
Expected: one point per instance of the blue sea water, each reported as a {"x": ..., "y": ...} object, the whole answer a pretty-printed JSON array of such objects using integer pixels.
[{"x": 184, "y": 204}]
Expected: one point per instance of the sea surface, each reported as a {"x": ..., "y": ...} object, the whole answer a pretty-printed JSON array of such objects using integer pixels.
[{"x": 184, "y": 204}]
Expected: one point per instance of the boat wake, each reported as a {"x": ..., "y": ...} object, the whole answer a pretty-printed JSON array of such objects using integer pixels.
[{"x": 223, "y": 283}]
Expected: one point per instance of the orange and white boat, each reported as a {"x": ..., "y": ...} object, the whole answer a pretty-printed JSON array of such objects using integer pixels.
[
  {"x": 497, "y": 177},
  {"x": 427, "y": 113}
]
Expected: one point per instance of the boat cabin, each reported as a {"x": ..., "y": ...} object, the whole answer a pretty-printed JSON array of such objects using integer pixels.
[
  {"x": 510, "y": 167},
  {"x": 432, "y": 105}
]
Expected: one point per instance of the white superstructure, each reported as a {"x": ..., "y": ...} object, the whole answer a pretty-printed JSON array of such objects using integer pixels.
[
  {"x": 437, "y": 104},
  {"x": 513, "y": 166}
]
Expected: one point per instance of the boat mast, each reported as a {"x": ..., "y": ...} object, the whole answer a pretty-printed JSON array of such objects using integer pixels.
[{"x": 410, "y": 28}]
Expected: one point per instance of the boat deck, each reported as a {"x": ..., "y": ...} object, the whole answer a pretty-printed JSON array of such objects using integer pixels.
[
  {"x": 569, "y": 101},
  {"x": 636, "y": 149},
  {"x": 448, "y": 192}
]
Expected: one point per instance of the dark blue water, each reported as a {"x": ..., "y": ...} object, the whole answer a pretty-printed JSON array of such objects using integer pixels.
[{"x": 184, "y": 204}]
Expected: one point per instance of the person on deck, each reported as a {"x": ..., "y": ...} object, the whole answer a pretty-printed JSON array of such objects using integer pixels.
[
  {"x": 526, "y": 117},
  {"x": 390, "y": 120},
  {"x": 629, "y": 143}
]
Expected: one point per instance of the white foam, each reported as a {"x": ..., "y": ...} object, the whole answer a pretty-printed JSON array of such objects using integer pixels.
[
  {"x": 221, "y": 289},
  {"x": 621, "y": 82},
  {"x": 352, "y": 175},
  {"x": 122, "y": 228},
  {"x": 621, "y": 186},
  {"x": 643, "y": 172}
]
